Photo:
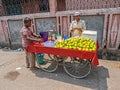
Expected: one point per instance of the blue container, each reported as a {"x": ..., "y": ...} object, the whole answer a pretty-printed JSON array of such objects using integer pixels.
[
  {"x": 66, "y": 37},
  {"x": 40, "y": 58},
  {"x": 49, "y": 43},
  {"x": 44, "y": 36}
]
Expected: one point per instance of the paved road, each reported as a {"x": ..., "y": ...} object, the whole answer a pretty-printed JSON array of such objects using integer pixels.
[{"x": 14, "y": 76}]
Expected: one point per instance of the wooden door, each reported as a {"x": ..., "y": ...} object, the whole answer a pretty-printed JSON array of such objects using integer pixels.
[
  {"x": 5, "y": 31},
  {"x": 113, "y": 40}
]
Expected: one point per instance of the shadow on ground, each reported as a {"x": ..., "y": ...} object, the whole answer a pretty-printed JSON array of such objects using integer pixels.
[{"x": 97, "y": 79}]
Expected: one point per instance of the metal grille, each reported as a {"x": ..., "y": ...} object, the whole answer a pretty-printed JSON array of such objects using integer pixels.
[
  {"x": 17, "y": 7},
  {"x": 12, "y": 7},
  {"x": 44, "y": 5}
]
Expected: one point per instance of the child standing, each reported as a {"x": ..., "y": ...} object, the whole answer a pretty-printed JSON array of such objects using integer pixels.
[{"x": 28, "y": 37}]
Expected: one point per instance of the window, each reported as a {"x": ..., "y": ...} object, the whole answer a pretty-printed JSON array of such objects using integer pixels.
[
  {"x": 44, "y": 5},
  {"x": 13, "y": 7},
  {"x": 18, "y": 7}
]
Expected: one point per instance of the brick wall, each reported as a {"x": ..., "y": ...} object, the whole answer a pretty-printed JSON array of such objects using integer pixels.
[
  {"x": 86, "y": 4},
  {"x": 28, "y": 7},
  {"x": 2, "y": 10},
  {"x": 61, "y": 5},
  {"x": 53, "y": 7}
]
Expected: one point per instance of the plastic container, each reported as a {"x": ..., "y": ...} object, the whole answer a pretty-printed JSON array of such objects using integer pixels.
[
  {"x": 40, "y": 58},
  {"x": 59, "y": 37},
  {"x": 90, "y": 34},
  {"x": 53, "y": 37},
  {"x": 49, "y": 43},
  {"x": 66, "y": 37},
  {"x": 44, "y": 36}
]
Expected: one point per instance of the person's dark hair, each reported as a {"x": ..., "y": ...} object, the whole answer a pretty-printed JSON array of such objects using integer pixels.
[{"x": 26, "y": 20}]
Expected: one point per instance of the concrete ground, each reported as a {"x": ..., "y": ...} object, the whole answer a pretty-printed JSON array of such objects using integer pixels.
[{"x": 14, "y": 76}]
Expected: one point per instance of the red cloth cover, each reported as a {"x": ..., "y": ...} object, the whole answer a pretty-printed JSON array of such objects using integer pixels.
[{"x": 39, "y": 48}]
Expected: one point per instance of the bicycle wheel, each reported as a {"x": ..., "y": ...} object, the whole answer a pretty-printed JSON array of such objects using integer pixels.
[
  {"x": 77, "y": 68},
  {"x": 49, "y": 64}
]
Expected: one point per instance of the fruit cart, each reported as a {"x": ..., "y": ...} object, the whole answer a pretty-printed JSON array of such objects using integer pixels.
[{"x": 76, "y": 63}]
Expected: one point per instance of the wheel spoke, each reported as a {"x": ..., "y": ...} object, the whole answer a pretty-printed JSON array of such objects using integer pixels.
[
  {"x": 77, "y": 68},
  {"x": 68, "y": 64}
]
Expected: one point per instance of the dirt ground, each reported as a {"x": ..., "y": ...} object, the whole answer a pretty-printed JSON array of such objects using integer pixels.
[{"x": 15, "y": 76}]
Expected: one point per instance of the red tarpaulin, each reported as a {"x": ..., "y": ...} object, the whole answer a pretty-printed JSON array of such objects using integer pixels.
[{"x": 38, "y": 48}]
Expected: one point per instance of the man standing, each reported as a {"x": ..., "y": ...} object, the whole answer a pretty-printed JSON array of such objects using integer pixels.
[
  {"x": 77, "y": 26},
  {"x": 28, "y": 37}
]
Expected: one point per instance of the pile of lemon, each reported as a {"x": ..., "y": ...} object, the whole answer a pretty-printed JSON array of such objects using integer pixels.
[{"x": 80, "y": 43}]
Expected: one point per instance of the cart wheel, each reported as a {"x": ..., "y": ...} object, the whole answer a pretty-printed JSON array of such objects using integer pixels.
[
  {"x": 77, "y": 68},
  {"x": 49, "y": 64}
]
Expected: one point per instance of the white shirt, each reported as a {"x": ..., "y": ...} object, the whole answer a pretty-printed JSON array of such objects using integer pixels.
[{"x": 75, "y": 24}]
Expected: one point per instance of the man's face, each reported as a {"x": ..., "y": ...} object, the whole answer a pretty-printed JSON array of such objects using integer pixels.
[{"x": 77, "y": 18}]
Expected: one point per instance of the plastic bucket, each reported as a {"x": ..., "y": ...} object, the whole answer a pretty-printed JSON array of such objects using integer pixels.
[
  {"x": 66, "y": 37},
  {"x": 40, "y": 58},
  {"x": 44, "y": 36}
]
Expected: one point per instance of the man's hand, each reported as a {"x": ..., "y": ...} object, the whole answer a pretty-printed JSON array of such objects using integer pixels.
[
  {"x": 72, "y": 30},
  {"x": 35, "y": 35},
  {"x": 39, "y": 40},
  {"x": 38, "y": 36},
  {"x": 77, "y": 28}
]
